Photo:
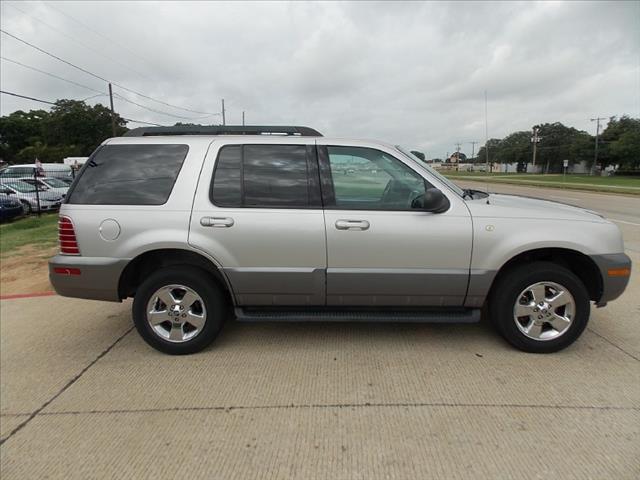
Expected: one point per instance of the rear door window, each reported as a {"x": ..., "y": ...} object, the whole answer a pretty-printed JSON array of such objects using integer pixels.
[
  {"x": 129, "y": 175},
  {"x": 272, "y": 176}
]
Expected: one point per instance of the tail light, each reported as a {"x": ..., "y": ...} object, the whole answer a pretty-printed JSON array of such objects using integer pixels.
[{"x": 67, "y": 237}]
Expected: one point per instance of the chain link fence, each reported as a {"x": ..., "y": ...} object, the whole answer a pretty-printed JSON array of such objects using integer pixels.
[{"x": 31, "y": 190}]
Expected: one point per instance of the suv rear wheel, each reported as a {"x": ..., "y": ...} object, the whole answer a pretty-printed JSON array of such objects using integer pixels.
[
  {"x": 540, "y": 307},
  {"x": 179, "y": 310}
]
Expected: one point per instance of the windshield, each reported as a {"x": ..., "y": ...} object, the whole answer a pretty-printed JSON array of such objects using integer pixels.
[
  {"x": 55, "y": 183},
  {"x": 432, "y": 171},
  {"x": 21, "y": 187}
]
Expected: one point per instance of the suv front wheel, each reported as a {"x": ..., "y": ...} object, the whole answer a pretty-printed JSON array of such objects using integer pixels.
[
  {"x": 179, "y": 310},
  {"x": 540, "y": 307}
]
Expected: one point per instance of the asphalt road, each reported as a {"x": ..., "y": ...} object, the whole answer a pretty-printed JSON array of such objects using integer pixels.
[{"x": 81, "y": 396}]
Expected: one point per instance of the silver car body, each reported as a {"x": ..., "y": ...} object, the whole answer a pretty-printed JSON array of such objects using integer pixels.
[
  {"x": 58, "y": 170},
  {"x": 47, "y": 200},
  {"x": 49, "y": 184},
  {"x": 282, "y": 257}
]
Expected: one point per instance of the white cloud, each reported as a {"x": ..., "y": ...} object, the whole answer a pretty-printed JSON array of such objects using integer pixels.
[{"x": 410, "y": 73}]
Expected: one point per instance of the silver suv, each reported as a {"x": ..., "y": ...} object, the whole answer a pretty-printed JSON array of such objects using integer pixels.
[{"x": 281, "y": 223}]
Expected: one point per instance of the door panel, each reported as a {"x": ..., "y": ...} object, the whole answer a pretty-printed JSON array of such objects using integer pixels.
[
  {"x": 403, "y": 258},
  {"x": 384, "y": 253},
  {"x": 273, "y": 251}
]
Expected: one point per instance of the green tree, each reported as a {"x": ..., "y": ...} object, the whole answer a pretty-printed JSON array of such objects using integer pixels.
[
  {"x": 494, "y": 145},
  {"x": 514, "y": 148},
  {"x": 626, "y": 149},
  {"x": 617, "y": 142},
  {"x": 418, "y": 154},
  {"x": 18, "y": 130},
  {"x": 74, "y": 123}
]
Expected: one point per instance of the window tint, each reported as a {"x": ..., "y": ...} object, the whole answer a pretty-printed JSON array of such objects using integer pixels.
[
  {"x": 129, "y": 175},
  {"x": 368, "y": 179},
  {"x": 226, "y": 189},
  {"x": 20, "y": 171},
  {"x": 266, "y": 176},
  {"x": 276, "y": 175}
]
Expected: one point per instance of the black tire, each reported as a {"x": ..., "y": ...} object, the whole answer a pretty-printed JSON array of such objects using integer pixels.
[
  {"x": 507, "y": 289},
  {"x": 26, "y": 207},
  {"x": 200, "y": 282}
]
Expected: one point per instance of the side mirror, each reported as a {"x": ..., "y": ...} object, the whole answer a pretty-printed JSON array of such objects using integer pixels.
[{"x": 433, "y": 200}]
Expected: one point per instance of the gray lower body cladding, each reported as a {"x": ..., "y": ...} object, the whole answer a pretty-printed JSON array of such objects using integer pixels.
[
  {"x": 350, "y": 287},
  {"x": 612, "y": 285},
  {"x": 98, "y": 278}
]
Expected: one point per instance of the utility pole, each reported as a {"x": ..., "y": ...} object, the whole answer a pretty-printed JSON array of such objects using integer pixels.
[
  {"x": 473, "y": 149},
  {"x": 595, "y": 159},
  {"x": 113, "y": 115},
  {"x": 486, "y": 134},
  {"x": 224, "y": 121},
  {"x": 243, "y": 118},
  {"x": 535, "y": 139}
]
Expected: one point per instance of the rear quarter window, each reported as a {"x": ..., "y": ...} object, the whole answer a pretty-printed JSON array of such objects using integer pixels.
[{"x": 129, "y": 175}]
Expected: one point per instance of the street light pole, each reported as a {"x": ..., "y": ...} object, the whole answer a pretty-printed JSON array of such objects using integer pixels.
[
  {"x": 595, "y": 158},
  {"x": 535, "y": 139},
  {"x": 473, "y": 149}
]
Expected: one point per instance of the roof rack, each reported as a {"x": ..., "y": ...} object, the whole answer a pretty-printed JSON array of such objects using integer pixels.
[{"x": 222, "y": 130}]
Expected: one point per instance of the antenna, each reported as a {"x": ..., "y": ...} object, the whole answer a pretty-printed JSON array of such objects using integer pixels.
[{"x": 486, "y": 144}]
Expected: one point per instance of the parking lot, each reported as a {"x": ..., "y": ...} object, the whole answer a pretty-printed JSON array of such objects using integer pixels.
[{"x": 82, "y": 396}]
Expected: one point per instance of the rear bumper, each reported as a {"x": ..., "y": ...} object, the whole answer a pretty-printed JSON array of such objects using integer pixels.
[
  {"x": 98, "y": 277},
  {"x": 613, "y": 283}
]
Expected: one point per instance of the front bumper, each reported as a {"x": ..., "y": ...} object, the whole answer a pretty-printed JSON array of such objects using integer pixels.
[
  {"x": 613, "y": 282},
  {"x": 94, "y": 278}
]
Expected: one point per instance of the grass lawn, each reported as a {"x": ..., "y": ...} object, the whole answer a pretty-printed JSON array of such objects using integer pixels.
[
  {"x": 578, "y": 182},
  {"x": 42, "y": 231}
]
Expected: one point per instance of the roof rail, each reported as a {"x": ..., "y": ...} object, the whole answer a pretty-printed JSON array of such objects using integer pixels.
[{"x": 222, "y": 130}]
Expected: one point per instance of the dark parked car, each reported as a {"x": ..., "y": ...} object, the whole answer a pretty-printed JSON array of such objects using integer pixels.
[{"x": 9, "y": 208}]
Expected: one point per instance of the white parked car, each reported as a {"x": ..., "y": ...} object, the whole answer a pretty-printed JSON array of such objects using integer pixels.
[
  {"x": 31, "y": 200},
  {"x": 57, "y": 170},
  {"x": 50, "y": 184}
]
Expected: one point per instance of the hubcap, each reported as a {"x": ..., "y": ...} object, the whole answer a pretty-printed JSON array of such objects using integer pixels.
[
  {"x": 544, "y": 311},
  {"x": 176, "y": 313}
]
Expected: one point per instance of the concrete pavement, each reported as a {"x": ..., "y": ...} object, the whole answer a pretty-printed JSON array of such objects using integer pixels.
[{"x": 82, "y": 396}]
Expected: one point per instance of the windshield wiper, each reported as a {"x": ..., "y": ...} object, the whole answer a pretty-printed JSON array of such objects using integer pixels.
[{"x": 467, "y": 192}]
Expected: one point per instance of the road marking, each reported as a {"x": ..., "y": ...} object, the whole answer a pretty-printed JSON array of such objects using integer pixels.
[
  {"x": 624, "y": 221},
  {"x": 26, "y": 295}
]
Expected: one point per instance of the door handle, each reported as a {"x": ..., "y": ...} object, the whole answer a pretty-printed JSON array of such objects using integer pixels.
[
  {"x": 352, "y": 225},
  {"x": 220, "y": 222}
]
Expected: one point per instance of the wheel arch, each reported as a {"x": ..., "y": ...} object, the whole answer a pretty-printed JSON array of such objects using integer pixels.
[
  {"x": 577, "y": 262},
  {"x": 150, "y": 261}
]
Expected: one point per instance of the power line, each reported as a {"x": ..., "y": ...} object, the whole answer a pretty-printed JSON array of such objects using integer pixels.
[
  {"x": 50, "y": 74},
  {"x": 95, "y": 32},
  {"x": 54, "y": 103},
  {"x": 144, "y": 123},
  {"x": 83, "y": 45},
  {"x": 160, "y": 111},
  {"x": 94, "y": 96},
  {"x": 98, "y": 76},
  {"x": 101, "y": 93},
  {"x": 28, "y": 98}
]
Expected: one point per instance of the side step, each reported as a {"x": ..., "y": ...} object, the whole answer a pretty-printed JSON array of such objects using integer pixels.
[{"x": 426, "y": 316}]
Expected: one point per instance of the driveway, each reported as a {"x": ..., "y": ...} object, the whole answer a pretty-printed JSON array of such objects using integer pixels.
[{"x": 83, "y": 397}]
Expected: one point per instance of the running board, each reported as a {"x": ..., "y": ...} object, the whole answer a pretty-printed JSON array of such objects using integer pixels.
[{"x": 437, "y": 316}]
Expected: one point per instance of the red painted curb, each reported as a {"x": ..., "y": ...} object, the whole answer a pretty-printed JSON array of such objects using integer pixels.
[{"x": 26, "y": 295}]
